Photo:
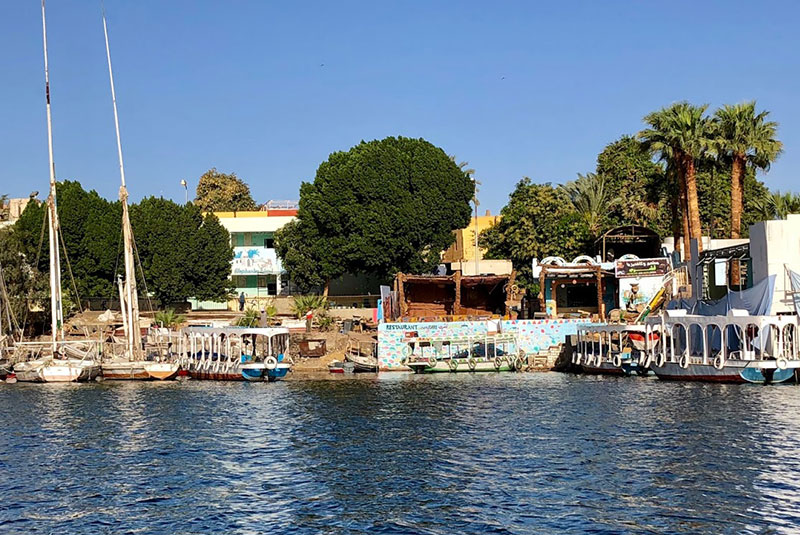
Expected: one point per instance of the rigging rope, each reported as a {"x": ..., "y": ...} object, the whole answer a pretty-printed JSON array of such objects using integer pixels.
[{"x": 69, "y": 269}]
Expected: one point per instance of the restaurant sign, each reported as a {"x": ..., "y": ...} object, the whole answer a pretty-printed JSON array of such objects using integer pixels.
[{"x": 642, "y": 267}]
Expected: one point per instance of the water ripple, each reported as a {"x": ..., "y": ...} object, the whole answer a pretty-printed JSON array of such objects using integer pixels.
[{"x": 505, "y": 454}]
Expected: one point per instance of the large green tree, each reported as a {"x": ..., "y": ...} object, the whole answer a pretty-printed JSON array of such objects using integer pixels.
[
  {"x": 382, "y": 207},
  {"x": 183, "y": 254},
  {"x": 538, "y": 221},
  {"x": 745, "y": 138},
  {"x": 223, "y": 192}
]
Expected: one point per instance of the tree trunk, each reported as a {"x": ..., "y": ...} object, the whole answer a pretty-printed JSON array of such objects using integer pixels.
[
  {"x": 326, "y": 288},
  {"x": 737, "y": 175},
  {"x": 687, "y": 250},
  {"x": 695, "y": 227},
  {"x": 675, "y": 213}
]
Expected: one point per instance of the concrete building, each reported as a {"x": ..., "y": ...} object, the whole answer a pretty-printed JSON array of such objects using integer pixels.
[
  {"x": 256, "y": 270},
  {"x": 775, "y": 249},
  {"x": 12, "y": 209},
  {"x": 460, "y": 257}
]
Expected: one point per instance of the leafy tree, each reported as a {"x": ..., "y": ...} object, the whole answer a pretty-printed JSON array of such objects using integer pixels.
[
  {"x": 27, "y": 287},
  {"x": 537, "y": 222},
  {"x": 635, "y": 183},
  {"x": 3, "y": 207},
  {"x": 746, "y": 139},
  {"x": 681, "y": 134},
  {"x": 592, "y": 201},
  {"x": 222, "y": 192},
  {"x": 381, "y": 207},
  {"x": 183, "y": 254}
]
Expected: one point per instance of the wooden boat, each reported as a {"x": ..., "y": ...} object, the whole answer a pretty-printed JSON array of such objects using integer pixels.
[
  {"x": 58, "y": 360},
  {"x": 363, "y": 356},
  {"x": 235, "y": 353},
  {"x": 162, "y": 371},
  {"x": 487, "y": 353},
  {"x": 336, "y": 366},
  {"x": 613, "y": 349},
  {"x": 737, "y": 348}
]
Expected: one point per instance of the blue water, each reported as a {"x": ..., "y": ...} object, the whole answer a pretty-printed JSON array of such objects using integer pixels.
[{"x": 442, "y": 454}]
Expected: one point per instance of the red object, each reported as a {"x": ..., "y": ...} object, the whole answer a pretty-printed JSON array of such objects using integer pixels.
[{"x": 183, "y": 373}]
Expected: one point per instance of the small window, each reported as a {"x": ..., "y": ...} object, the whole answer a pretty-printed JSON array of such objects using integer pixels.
[
  {"x": 262, "y": 281},
  {"x": 269, "y": 243}
]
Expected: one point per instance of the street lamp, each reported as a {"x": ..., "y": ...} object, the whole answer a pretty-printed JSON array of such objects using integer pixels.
[
  {"x": 186, "y": 190},
  {"x": 477, "y": 251}
]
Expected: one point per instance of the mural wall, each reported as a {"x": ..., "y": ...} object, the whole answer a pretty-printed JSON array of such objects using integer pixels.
[{"x": 533, "y": 335}]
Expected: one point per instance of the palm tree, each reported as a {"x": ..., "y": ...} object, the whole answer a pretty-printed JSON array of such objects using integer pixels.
[
  {"x": 591, "y": 199},
  {"x": 784, "y": 204},
  {"x": 680, "y": 134},
  {"x": 745, "y": 138}
]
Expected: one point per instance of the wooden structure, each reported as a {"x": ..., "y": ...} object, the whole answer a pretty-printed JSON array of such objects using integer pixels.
[
  {"x": 555, "y": 275},
  {"x": 451, "y": 296}
]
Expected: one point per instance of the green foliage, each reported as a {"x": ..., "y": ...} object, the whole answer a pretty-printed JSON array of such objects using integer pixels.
[
  {"x": 222, "y": 192},
  {"x": 381, "y": 207},
  {"x": 168, "y": 318},
  {"x": 183, "y": 253},
  {"x": 592, "y": 201},
  {"x": 324, "y": 320},
  {"x": 537, "y": 222},
  {"x": 305, "y": 303},
  {"x": 4, "y": 207},
  {"x": 26, "y": 285},
  {"x": 250, "y": 318}
]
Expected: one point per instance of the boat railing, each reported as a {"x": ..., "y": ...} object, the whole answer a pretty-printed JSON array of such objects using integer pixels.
[
  {"x": 431, "y": 349},
  {"x": 614, "y": 343},
  {"x": 714, "y": 340},
  {"x": 76, "y": 349}
]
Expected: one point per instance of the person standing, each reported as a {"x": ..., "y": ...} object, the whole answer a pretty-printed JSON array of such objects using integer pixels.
[{"x": 241, "y": 302}]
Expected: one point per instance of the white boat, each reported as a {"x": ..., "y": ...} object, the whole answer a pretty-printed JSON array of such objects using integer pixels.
[
  {"x": 235, "y": 353},
  {"x": 487, "y": 353},
  {"x": 613, "y": 349},
  {"x": 74, "y": 362},
  {"x": 736, "y": 348}
]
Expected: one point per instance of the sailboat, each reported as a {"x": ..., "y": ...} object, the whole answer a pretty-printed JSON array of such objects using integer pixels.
[
  {"x": 63, "y": 361},
  {"x": 132, "y": 364}
]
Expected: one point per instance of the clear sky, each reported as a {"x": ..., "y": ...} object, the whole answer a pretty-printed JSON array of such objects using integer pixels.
[{"x": 269, "y": 89}]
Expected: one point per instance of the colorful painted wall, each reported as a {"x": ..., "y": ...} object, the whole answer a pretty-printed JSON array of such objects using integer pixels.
[{"x": 533, "y": 335}]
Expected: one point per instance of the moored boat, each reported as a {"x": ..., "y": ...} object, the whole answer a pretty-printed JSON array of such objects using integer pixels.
[
  {"x": 736, "y": 348},
  {"x": 235, "y": 353},
  {"x": 614, "y": 349},
  {"x": 489, "y": 353}
]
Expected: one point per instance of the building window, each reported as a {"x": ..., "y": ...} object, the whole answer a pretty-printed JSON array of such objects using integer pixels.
[
  {"x": 269, "y": 243},
  {"x": 248, "y": 239},
  {"x": 262, "y": 281}
]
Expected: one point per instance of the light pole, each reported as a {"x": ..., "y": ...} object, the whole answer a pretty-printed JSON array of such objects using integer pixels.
[
  {"x": 477, "y": 251},
  {"x": 185, "y": 190}
]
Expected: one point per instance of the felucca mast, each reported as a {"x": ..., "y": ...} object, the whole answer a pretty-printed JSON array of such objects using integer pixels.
[
  {"x": 56, "y": 311},
  {"x": 130, "y": 302}
]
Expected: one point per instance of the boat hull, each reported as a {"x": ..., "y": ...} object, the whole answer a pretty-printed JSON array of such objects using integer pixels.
[
  {"x": 734, "y": 372},
  {"x": 444, "y": 366},
  {"x": 162, "y": 371},
  {"x": 124, "y": 370},
  {"x": 56, "y": 371}
]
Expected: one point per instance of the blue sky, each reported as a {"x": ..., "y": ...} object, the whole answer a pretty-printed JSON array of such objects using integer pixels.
[{"x": 268, "y": 90}]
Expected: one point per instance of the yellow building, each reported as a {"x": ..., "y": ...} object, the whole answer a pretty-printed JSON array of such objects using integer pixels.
[{"x": 463, "y": 250}]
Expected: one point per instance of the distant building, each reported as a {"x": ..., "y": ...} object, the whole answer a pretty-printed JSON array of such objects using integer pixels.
[
  {"x": 256, "y": 270},
  {"x": 12, "y": 210},
  {"x": 460, "y": 257}
]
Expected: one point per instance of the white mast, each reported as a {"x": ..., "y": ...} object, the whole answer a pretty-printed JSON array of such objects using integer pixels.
[
  {"x": 130, "y": 304},
  {"x": 57, "y": 314}
]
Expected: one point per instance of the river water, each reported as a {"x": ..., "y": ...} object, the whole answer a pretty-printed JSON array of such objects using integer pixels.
[{"x": 505, "y": 453}]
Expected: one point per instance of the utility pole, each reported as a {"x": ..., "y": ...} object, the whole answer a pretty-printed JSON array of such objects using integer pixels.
[{"x": 185, "y": 191}]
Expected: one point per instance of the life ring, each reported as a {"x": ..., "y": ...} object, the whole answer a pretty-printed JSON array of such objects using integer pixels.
[
  {"x": 646, "y": 361},
  {"x": 683, "y": 362},
  {"x": 271, "y": 363},
  {"x": 472, "y": 363},
  {"x": 432, "y": 361},
  {"x": 617, "y": 361},
  {"x": 519, "y": 364},
  {"x": 719, "y": 361},
  {"x": 661, "y": 359},
  {"x": 404, "y": 360},
  {"x": 576, "y": 358},
  {"x": 453, "y": 364},
  {"x": 407, "y": 350},
  {"x": 498, "y": 363},
  {"x": 782, "y": 363}
]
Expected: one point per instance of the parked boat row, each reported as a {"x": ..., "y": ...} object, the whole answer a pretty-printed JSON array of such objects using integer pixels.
[{"x": 736, "y": 348}]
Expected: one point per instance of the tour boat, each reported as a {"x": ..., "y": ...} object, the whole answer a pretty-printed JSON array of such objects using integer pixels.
[
  {"x": 613, "y": 349},
  {"x": 736, "y": 348},
  {"x": 235, "y": 353},
  {"x": 487, "y": 353}
]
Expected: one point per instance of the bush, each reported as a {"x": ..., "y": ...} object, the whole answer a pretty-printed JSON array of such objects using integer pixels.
[
  {"x": 305, "y": 303},
  {"x": 168, "y": 318}
]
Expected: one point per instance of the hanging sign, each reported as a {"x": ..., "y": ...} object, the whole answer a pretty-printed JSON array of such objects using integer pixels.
[{"x": 642, "y": 267}]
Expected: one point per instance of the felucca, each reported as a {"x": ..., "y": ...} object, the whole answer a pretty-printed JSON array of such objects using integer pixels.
[
  {"x": 58, "y": 361},
  {"x": 132, "y": 364}
]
